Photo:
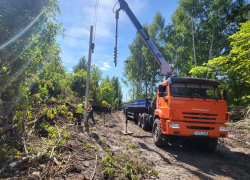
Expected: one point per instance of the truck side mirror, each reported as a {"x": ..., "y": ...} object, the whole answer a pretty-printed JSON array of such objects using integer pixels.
[
  {"x": 161, "y": 91},
  {"x": 225, "y": 94}
]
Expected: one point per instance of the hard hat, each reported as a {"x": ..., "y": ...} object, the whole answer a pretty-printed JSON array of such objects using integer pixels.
[
  {"x": 83, "y": 102},
  {"x": 53, "y": 101},
  {"x": 89, "y": 106}
]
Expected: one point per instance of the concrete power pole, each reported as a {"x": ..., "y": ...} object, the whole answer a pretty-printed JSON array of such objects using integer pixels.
[
  {"x": 88, "y": 74},
  {"x": 118, "y": 99}
]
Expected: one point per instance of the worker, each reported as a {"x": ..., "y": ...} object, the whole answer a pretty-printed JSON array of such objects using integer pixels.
[
  {"x": 110, "y": 108},
  {"x": 80, "y": 111},
  {"x": 90, "y": 114}
]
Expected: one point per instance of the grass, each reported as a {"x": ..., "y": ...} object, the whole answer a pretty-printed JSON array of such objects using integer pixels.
[
  {"x": 125, "y": 168},
  {"x": 88, "y": 145},
  {"x": 122, "y": 139}
]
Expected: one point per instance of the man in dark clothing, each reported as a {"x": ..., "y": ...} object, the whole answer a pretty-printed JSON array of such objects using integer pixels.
[
  {"x": 90, "y": 114},
  {"x": 110, "y": 108}
]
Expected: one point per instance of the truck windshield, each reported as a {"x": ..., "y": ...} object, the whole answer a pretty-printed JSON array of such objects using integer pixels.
[{"x": 193, "y": 90}]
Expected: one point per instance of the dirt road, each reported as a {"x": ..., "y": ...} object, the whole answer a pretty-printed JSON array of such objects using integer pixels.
[
  {"x": 84, "y": 154},
  {"x": 231, "y": 160}
]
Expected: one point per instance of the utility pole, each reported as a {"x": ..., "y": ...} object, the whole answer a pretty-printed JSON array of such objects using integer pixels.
[
  {"x": 88, "y": 74},
  {"x": 118, "y": 100}
]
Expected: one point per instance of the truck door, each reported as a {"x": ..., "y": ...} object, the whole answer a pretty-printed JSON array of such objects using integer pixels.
[{"x": 163, "y": 102}]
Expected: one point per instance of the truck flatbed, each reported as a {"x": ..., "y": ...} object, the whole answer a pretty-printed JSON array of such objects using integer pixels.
[{"x": 142, "y": 103}]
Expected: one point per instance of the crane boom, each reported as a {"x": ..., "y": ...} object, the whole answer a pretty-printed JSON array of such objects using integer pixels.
[{"x": 166, "y": 70}]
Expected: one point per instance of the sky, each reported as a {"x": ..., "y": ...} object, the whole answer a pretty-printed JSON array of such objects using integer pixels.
[{"x": 78, "y": 15}]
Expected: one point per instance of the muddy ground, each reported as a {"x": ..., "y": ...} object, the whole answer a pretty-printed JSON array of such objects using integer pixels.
[{"x": 81, "y": 157}]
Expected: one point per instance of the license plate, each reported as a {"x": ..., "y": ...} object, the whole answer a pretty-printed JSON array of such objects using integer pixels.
[{"x": 200, "y": 133}]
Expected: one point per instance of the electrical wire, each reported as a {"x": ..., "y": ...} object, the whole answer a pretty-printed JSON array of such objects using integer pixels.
[{"x": 95, "y": 18}]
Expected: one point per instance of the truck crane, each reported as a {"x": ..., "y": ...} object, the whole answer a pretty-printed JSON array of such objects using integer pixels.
[
  {"x": 166, "y": 70},
  {"x": 184, "y": 108}
]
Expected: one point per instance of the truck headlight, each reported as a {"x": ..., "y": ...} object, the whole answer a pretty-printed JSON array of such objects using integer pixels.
[
  {"x": 223, "y": 128},
  {"x": 174, "y": 126}
]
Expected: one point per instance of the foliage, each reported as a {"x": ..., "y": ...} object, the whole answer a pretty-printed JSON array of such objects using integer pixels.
[
  {"x": 78, "y": 82},
  {"x": 198, "y": 32},
  {"x": 62, "y": 109},
  {"x": 232, "y": 69},
  {"x": 122, "y": 139},
  {"x": 123, "y": 168},
  {"x": 81, "y": 65}
]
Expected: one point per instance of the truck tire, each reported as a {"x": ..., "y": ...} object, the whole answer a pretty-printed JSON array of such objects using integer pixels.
[
  {"x": 136, "y": 118},
  {"x": 160, "y": 139},
  {"x": 145, "y": 124},
  {"x": 206, "y": 144},
  {"x": 139, "y": 120}
]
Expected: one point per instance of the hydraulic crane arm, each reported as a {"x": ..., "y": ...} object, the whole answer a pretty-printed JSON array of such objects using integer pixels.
[{"x": 166, "y": 70}]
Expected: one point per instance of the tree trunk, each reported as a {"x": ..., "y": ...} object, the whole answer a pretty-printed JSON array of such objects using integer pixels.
[
  {"x": 211, "y": 48},
  {"x": 192, "y": 19}
]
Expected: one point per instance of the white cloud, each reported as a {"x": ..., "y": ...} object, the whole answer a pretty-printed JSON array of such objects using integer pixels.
[
  {"x": 71, "y": 69},
  {"x": 103, "y": 68},
  {"x": 77, "y": 32},
  {"x": 105, "y": 64},
  {"x": 94, "y": 64}
]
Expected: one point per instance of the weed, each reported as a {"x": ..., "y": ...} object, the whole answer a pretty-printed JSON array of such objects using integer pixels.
[
  {"x": 123, "y": 168},
  {"x": 62, "y": 109},
  {"x": 133, "y": 146},
  {"x": 106, "y": 149},
  {"x": 88, "y": 145},
  {"x": 135, "y": 155},
  {"x": 115, "y": 143},
  {"x": 154, "y": 173},
  {"x": 122, "y": 139}
]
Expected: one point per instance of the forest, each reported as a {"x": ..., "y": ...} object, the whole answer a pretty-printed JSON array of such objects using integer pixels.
[
  {"x": 31, "y": 66},
  {"x": 205, "y": 39}
]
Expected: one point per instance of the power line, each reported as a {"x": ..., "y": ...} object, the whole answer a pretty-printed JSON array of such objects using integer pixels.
[{"x": 95, "y": 17}]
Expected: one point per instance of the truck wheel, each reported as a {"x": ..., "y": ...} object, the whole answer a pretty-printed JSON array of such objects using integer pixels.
[
  {"x": 160, "y": 139},
  {"x": 206, "y": 144},
  {"x": 136, "y": 118},
  {"x": 139, "y": 120},
  {"x": 145, "y": 124}
]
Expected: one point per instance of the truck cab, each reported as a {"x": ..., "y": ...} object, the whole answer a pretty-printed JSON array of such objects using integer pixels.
[{"x": 190, "y": 107}]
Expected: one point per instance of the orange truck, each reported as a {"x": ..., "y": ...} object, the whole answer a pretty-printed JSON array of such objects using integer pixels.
[{"x": 183, "y": 108}]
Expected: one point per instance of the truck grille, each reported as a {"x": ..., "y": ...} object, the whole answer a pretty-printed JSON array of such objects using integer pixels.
[
  {"x": 200, "y": 128},
  {"x": 200, "y": 116}
]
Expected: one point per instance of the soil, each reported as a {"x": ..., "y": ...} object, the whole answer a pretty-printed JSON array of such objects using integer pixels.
[{"x": 81, "y": 157}]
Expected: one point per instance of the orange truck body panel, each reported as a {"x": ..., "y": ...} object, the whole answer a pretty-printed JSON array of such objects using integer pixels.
[{"x": 192, "y": 115}]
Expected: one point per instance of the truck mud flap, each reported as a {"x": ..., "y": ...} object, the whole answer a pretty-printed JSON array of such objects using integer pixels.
[{"x": 151, "y": 120}]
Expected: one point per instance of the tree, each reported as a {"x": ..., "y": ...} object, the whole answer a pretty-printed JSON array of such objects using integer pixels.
[
  {"x": 107, "y": 90},
  {"x": 94, "y": 90},
  {"x": 82, "y": 64},
  {"x": 27, "y": 44},
  {"x": 233, "y": 68},
  {"x": 78, "y": 82}
]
